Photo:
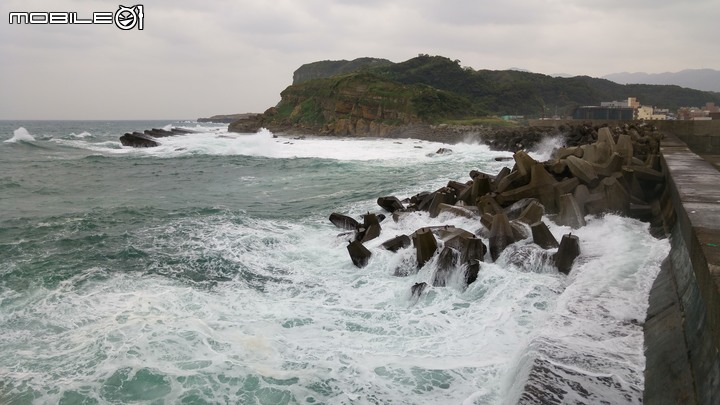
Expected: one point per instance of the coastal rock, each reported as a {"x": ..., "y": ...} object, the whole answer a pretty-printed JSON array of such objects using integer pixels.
[
  {"x": 148, "y": 138},
  {"x": 138, "y": 140}
]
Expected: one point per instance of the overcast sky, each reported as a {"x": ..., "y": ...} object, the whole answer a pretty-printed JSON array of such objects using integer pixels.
[{"x": 196, "y": 58}]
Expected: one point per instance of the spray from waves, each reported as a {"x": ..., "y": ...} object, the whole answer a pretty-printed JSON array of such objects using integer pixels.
[
  {"x": 81, "y": 135},
  {"x": 216, "y": 141},
  {"x": 21, "y": 135},
  {"x": 544, "y": 150}
]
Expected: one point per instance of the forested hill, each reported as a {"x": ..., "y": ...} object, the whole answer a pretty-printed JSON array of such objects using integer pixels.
[
  {"x": 378, "y": 97},
  {"x": 501, "y": 92}
]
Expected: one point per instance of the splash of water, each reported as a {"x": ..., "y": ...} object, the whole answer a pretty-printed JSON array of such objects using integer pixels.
[{"x": 21, "y": 135}]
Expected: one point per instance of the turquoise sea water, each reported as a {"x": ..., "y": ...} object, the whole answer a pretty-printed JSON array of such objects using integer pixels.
[{"x": 205, "y": 271}]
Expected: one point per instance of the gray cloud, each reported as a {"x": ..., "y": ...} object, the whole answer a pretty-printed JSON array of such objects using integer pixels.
[{"x": 197, "y": 58}]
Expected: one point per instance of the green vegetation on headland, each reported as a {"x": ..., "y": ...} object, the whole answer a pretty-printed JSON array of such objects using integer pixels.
[{"x": 377, "y": 97}]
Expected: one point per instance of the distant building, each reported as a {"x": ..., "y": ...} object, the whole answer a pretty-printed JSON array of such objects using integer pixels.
[
  {"x": 616, "y": 104},
  {"x": 603, "y": 113},
  {"x": 647, "y": 113},
  {"x": 698, "y": 114}
]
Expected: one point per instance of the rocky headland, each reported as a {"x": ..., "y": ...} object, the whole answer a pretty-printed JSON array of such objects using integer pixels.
[{"x": 225, "y": 118}]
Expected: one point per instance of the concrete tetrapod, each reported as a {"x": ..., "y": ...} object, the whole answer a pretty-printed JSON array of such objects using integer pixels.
[
  {"x": 567, "y": 252},
  {"x": 472, "y": 249},
  {"x": 542, "y": 236},
  {"x": 625, "y": 148},
  {"x": 605, "y": 145},
  {"x": 570, "y": 212},
  {"x": 425, "y": 246},
  {"x": 532, "y": 213},
  {"x": 397, "y": 243},
  {"x": 358, "y": 253},
  {"x": 445, "y": 264},
  {"x": 371, "y": 228},
  {"x": 390, "y": 203},
  {"x": 344, "y": 222},
  {"x": 583, "y": 170},
  {"x": 540, "y": 187},
  {"x": 501, "y": 235}
]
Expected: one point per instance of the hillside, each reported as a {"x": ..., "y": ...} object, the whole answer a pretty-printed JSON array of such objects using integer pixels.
[
  {"x": 700, "y": 79},
  {"x": 329, "y": 68},
  {"x": 377, "y": 95}
]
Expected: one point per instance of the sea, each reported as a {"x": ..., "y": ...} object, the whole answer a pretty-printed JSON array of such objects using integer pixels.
[{"x": 206, "y": 271}]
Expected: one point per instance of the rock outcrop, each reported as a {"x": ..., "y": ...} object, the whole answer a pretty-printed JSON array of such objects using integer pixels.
[
  {"x": 225, "y": 118},
  {"x": 148, "y": 138}
]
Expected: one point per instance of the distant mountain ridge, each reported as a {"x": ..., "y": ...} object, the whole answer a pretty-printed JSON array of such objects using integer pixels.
[{"x": 699, "y": 79}]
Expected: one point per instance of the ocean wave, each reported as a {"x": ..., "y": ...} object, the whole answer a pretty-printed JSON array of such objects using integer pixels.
[{"x": 21, "y": 135}]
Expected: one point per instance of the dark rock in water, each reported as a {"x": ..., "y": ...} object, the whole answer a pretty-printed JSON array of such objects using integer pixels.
[
  {"x": 442, "y": 151},
  {"x": 397, "y": 243},
  {"x": 358, "y": 253},
  {"x": 138, "y": 140},
  {"x": 567, "y": 252},
  {"x": 425, "y": 246},
  {"x": 390, "y": 204},
  {"x": 148, "y": 138},
  {"x": 417, "y": 289},
  {"x": 344, "y": 221}
]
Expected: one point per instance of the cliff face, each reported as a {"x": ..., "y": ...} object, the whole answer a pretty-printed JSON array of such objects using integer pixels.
[{"x": 355, "y": 104}]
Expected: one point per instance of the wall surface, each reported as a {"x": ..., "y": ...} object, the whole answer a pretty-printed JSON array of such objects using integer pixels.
[{"x": 682, "y": 329}]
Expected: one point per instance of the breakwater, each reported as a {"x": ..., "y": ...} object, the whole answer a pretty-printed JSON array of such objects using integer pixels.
[{"x": 682, "y": 328}]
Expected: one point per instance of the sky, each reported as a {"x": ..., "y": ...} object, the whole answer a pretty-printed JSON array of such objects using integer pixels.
[{"x": 197, "y": 58}]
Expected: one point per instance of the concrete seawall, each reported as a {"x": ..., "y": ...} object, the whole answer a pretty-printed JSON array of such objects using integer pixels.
[{"x": 682, "y": 329}]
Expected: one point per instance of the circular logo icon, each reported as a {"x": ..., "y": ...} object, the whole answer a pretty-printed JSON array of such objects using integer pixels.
[{"x": 125, "y": 18}]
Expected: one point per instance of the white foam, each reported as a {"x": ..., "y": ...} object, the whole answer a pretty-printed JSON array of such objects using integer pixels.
[
  {"x": 81, "y": 135},
  {"x": 21, "y": 135}
]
